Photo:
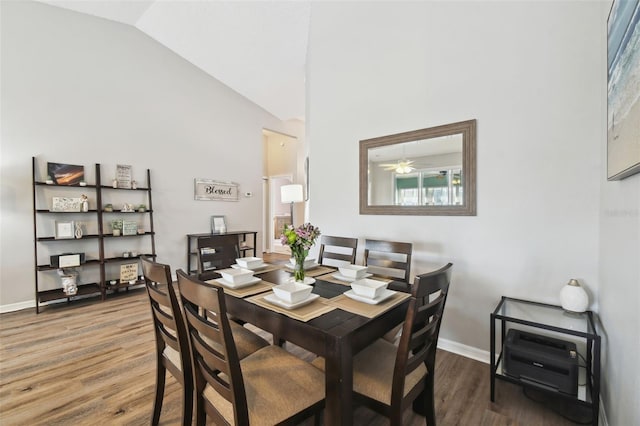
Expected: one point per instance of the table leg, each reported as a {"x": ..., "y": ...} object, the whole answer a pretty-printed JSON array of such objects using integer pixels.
[
  {"x": 492, "y": 357},
  {"x": 338, "y": 383}
]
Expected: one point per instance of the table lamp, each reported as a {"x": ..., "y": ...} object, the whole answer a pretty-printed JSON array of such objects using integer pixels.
[{"x": 291, "y": 194}]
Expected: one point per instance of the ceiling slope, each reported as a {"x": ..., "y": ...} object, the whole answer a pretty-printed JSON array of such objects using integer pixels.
[{"x": 256, "y": 48}]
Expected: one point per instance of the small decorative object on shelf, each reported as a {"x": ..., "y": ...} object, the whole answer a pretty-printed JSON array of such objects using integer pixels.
[
  {"x": 85, "y": 203},
  {"x": 83, "y": 183},
  {"x": 108, "y": 207},
  {"x": 142, "y": 208},
  {"x": 134, "y": 184},
  {"x": 49, "y": 181},
  {"x": 69, "y": 277},
  {"x": 114, "y": 183},
  {"x": 116, "y": 226},
  {"x": 299, "y": 240},
  {"x": 573, "y": 297},
  {"x": 78, "y": 230},
  {"x": 140, "y": 230}
]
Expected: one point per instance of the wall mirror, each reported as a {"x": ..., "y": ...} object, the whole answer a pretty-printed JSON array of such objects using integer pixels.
[{"x": 423, "y": 172}]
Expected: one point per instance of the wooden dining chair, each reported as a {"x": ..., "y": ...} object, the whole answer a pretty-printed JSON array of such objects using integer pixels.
[
  {"x": 337, "y": 250},
  {"x": 269, "y": 387},
  {"x": 388, "y": 259},
  {"x": 172, "y": 345},
  {"x": 388, "y": 378},
  {"x": 215, "y": 253}
]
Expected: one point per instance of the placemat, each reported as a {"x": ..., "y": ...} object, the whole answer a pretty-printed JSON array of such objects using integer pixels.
[
  {"x": 315, "y": 272},
  {"x": 364, "y": 309},
  {"x": 304, "y": 313},
  {"x": 243, "y": 292}
]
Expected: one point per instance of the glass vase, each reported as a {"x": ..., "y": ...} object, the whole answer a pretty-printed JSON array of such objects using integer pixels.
[{"x": 298, "y": 270}]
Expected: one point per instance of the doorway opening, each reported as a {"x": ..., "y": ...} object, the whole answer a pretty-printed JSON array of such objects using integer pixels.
[{"x": 280, "y": 165}]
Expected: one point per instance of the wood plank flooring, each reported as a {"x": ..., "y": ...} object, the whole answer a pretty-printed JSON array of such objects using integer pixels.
[{"x": 93, "y": 363}]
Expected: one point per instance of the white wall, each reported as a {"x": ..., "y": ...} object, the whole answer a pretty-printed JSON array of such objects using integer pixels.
[
  {"x": 530, "y": 73},
  {"x": 83, "y": 90},
  {"x": 534, "y": 76}
]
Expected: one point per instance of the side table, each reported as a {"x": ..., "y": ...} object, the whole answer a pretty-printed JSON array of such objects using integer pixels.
[{"x": 552, "y": 318}]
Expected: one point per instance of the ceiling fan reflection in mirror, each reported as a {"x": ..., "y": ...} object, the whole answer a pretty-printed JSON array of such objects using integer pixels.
[{"x": 400, "y": 167}]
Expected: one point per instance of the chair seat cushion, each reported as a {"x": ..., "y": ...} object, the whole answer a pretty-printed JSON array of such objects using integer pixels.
[
  {"x": 373, "y": 371},
  {"x": 247, "y": 342},
  {"x": 277, "y": 384}
]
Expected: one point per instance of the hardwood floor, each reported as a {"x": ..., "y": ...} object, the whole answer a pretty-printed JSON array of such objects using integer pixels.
[{"x": 93, "y": 363}]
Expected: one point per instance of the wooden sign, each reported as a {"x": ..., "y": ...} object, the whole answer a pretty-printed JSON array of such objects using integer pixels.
[
  {"x": 123, "y": 176},
  {"x": 129, "y": 227},
  {"x": 128, "y": 272},
  {"x": 211, "y": 190},
  {"x": 66, "y": 204}
]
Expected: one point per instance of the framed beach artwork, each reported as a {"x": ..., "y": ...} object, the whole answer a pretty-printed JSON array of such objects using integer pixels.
[{"x": 623, "y": 89}]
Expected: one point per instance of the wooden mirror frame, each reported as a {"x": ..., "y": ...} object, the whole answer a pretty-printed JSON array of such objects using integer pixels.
[{"x": 468, "y": 208}]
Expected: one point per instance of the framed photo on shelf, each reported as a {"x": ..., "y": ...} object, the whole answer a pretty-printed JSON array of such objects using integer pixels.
[
  {"x": 218, "y": 225},
  {"x": 66, "y": 204},
  {"x": 65, "y": 174},
  {"x": 128, "y": 273},
  {"x": 64, "y": 229},
  {"x": 129, "y": 227}
]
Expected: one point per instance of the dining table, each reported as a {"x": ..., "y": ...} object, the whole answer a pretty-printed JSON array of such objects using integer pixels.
[{"x": 337, "y": 332}]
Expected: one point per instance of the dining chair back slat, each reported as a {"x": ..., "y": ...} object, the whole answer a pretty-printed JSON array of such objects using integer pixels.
[
  {"x": 389, "y": 259},
  {"x": 337, "y": 250}
]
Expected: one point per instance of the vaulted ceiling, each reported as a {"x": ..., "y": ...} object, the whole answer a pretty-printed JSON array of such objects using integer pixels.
[{"x": 256, "y": 48}]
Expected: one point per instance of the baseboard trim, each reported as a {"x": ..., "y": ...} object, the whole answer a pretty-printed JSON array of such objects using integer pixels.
[
  {"x": 464, "y": 350},
  {"x": 17, "y": 306}
]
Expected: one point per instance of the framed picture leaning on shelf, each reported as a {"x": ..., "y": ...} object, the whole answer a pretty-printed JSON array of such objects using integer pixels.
[
  {"x": 218, "y": 225},
  {"x": 65, "y": 229}
]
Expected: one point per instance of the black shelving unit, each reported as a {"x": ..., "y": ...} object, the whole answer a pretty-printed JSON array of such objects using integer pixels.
[{"x": 96, "y": 216}]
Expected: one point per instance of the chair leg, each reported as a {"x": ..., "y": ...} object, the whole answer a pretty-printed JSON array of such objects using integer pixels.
[
  {"x": 429, "y": 401},
  {"x": 187, "y": 404},
  {"x": 157, "y": 404}
]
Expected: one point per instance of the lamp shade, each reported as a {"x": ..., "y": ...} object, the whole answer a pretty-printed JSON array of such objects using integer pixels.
[{"x": 291, "y": 193}]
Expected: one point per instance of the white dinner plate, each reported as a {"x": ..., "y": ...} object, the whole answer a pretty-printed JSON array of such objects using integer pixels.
[
  {"x": 307, "y": 280},
  {"x": 339, "y": 276},
  {"x": 384, "y": 296},
  {"x": 314, "y": 265},
  {"x": 256, "y": 268},
  {"x": 272, "y": 298},
  {"x": 226, "y": 283}
]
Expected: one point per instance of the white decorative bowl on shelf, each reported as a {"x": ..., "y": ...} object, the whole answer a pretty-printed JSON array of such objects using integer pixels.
[
  {"x": 249, "y": 262},
  {"x": 353, "y": 271},
  {"x": 236, "y": 276},
  {"x": 292, "y": 292},
  {"x": 369, "y": 288}
]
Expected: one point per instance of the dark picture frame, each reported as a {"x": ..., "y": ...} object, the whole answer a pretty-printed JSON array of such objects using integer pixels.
[
  {"x": 623, "y": 104},
  {"x": 65, "y": 174}
]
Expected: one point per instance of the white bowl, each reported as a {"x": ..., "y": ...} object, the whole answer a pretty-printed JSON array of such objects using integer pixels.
[
  {"x": 308, "y": 262},
  {"x": 352, "y": 271},
  {"x": 249, "y": 262},
  {"x": 236, "y": 276},
  {"x": 368, "y": 288},
  {"x": 292, "y": 292}
]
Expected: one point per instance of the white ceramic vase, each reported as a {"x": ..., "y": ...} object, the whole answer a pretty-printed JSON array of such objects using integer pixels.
[{"x": 573, "y": 297}]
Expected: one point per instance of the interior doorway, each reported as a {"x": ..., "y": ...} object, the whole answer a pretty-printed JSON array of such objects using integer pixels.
[{"x": 280, "y": 163}]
